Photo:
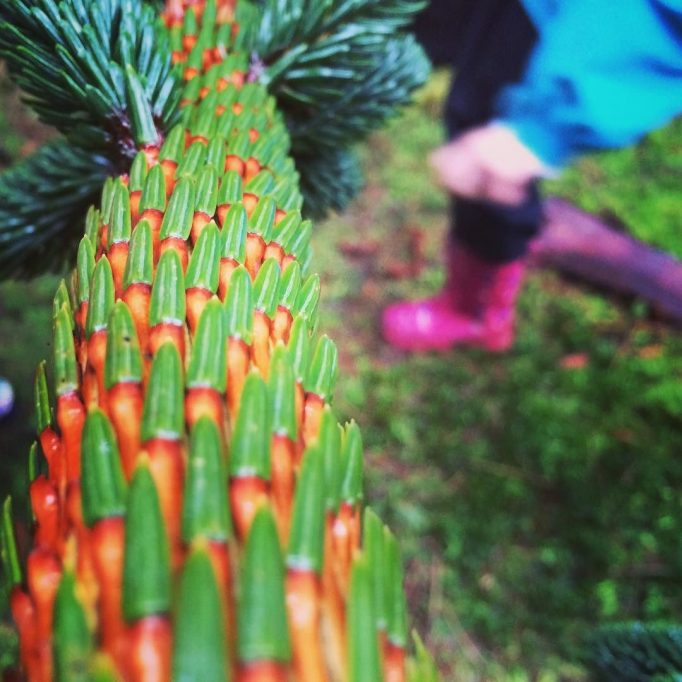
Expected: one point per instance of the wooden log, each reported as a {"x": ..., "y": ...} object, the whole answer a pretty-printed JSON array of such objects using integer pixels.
[{"x": 583, "y": 245}]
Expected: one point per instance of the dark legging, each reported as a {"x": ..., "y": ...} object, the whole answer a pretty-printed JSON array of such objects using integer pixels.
[{"x": 493, "y": 40}]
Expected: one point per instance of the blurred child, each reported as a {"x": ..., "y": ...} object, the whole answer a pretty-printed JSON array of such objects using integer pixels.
[{"x": 537, "y": 82}]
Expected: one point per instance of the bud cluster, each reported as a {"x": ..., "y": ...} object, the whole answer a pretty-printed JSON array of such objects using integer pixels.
[{"x": 200, "y": 514}]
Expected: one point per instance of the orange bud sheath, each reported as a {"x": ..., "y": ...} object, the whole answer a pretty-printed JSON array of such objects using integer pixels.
[
  {"x": 234, "y": 163},
  {"x": 196, "y": 298},
  {"x": 200, "y": 138},
  {"x": 221, "y": 212},
  {"x": 188, "y": 42},
  {"x": 135, "y": 197},
  {"x": 283, "y": 482},
  {"x": 247, "y": 494},
  {"x": 288, "y": 259},
  {"x": 97, "y": 350},
  {"x": 342, "y": 547},
  {"x": 44, "y": 573},
  {"x": 262, "y": 671},
  {"x": 394, "y": 663},
  {"x": 204, "y": 401},
  {"x": 52, "y": 449},
  {"x": 334, "y": 609},
  {"x": 250, "y": 201},
  {"x": 118, "y": 257},
  {"x": 167, "y": 469},
  {"x": 251, "y": 168},
  {"x": 255, "y": 250},
  {"x": 160, "y": 333},
  {"x": 90, "y": 389},
  {"x": 274, "y": 250},
  {"x": 103, "y": 240},
  {"x": 125, "y": 410},
  {"x": 137, "y": 297},
  {"x": 107, "y": 539},
  {"x": 281, "y": 325},
  {"x": 199, "y": 222},
  {"x": 81, "y": 342},
  {"x": 238, "y": 360},
  {"x": 179, "y": 246},
  {"x": 312, "y": 414},
  {"x": 84, "y": 560},
  {"x": 303, "y": 609},
  {"x": 227, "y": 267},
  {"x": 261, "y": 341},
  {"x": 151, "y": 152},
  {"x": 154, "y": 217},
  {"x": 169, "y": 167},
  {"x": 71, "y": 417},
  {"x": 82, "y": 315},
  {"x": 149, "y": 650},
  {"x": 23, "y": 613},
  {"x": 45, "y": 504}
]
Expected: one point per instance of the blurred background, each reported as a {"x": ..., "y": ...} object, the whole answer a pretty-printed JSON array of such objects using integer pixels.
[{"x": 535, "y": 494}]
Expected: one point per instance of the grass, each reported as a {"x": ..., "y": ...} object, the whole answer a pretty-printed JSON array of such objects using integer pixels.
[{"x": 536, "y": 493}]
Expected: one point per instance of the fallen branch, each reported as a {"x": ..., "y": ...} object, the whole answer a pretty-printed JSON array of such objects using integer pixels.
[{"x": 581, "y": 244}]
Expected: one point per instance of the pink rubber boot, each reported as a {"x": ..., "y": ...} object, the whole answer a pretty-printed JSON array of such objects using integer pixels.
[{"x": 476, "y": 307}]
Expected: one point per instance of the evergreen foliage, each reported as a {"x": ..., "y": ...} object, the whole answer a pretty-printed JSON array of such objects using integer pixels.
[
  {"x": 329, "y": 182},
  {"x": 42, "y": 203},
  {"x": 338, "y": 70},
  {"x": 637, "y": 652},
  {"x": 100, "y": 72}
]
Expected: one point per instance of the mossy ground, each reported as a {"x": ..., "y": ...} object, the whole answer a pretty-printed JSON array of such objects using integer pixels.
[{"x": 535, "y": 493}]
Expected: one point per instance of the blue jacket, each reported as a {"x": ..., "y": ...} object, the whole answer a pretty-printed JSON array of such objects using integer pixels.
[{"x": 604, "y": 72}]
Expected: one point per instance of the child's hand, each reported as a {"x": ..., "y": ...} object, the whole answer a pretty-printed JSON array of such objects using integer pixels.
[{"x": 488, "y": 163}]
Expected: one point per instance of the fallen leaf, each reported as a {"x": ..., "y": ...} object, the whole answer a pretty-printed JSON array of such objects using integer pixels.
[
  {"x": 650, "y": 352},
  {"x": 362, "y": 249},
  {"x": 574, "y": 361},
  {"x": 398, "y": 269}
]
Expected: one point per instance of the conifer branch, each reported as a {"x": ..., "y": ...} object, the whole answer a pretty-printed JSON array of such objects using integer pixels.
[
  {"x": 329, "y": 182},
  {"x": 636, "y": 652},
  {"x": 346, "y": 102},
  {"x": 100, "y": 72},
  {"x": 43, "y": 201},
  {"x": 338, "y": 71}
]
